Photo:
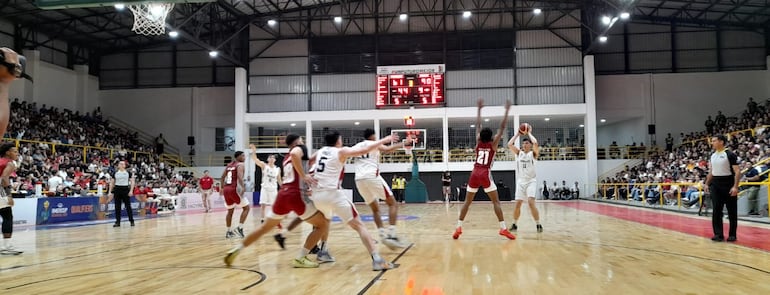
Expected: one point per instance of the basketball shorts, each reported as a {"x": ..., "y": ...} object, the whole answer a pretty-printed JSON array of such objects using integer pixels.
[
  {"x": 267, "y": 196},
  {"x": 290, "y": 200},
  {"x": 373, "y": 189},
  {"x": 526, "y": 189},
  {"x": 233, "y": 199},
  {"x": 481, "y": 178},
  {"x": 331, "y": 202}
]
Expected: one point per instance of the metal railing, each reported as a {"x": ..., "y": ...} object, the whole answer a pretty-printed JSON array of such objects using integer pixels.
[
  {"x": 84, "y": 149},
  {"x": 729, "y": 134},
  {"x": 662, "y": 193},
  {"x": 172, "y": 159}
]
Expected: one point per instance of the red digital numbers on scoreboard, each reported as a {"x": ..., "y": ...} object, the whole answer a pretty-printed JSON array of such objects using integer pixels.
[
  {"x": 410, "y": 89},
  {"x": 382, "y": 91}
]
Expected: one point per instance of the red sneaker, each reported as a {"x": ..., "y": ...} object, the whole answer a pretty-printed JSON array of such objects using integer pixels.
[
  {"x": 458, "y": 232},
  {"x": 507, "y": 234}
]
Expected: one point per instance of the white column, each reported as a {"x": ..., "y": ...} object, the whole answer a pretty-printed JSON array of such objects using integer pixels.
[
  {"x": 377, "y": 129},
  {"x": 590, "y": 124},
  {"x": 445, "y": 141},
  {"x": 309, "y": 136},
  {"x": 241, "y": 128},
  {"x": 516, "y": 122}
]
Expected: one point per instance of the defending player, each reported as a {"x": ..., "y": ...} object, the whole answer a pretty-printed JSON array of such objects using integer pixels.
[
  {"x": 526, "y": 182},
  {"x": 290, "y": 199},
  {"x": 232, "y": 181},
  {"x": 374, "y": 188},
  {"x": 327, "y": 197},
  {"x": 481, "y": 176}
]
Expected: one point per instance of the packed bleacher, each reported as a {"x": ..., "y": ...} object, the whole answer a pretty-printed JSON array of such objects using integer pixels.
[
  {"x": 682, "y": 170},
  {"x": 73, "y": 154}
]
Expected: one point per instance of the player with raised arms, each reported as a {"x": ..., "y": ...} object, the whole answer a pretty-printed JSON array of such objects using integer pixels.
[
  {"x": 526, "y": 182},
  {"x": 270, "y": 179},
  {"x": 486, "y": 145}
]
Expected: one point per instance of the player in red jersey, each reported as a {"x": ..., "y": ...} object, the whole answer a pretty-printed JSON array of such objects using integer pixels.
[
  {"x": 8, "y": 154},
  {"x": 482, "y": 174},
  {"x": 205, "y": 183},
  {"x": 290, "y": 199},
  {"x": 232, "y": 182}
]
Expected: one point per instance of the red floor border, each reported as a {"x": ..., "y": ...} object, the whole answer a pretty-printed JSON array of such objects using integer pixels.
[{"x": 749, "y": 236}]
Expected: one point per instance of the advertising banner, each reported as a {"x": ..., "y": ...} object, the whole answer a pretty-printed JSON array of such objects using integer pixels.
[
  {"x": 24, "y": 211},
  {"x": 54, "y": 210}
]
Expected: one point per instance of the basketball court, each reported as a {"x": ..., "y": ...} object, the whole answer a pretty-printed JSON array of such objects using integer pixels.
[
  {"x": 255, "y": 71},
  {"x": 587, "y": 248}
]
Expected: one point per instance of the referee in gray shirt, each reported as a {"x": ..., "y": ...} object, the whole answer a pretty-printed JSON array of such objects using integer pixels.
[
  {"x": 722, "y": 182},
  {"x": 121, "y": 186}
]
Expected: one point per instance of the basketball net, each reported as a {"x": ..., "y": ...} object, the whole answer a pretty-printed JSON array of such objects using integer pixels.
[
  {"x": 408, "y": 146},
  {"x": 150, "y": 18}
]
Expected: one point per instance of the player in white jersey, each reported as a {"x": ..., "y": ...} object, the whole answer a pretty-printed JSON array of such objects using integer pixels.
[
  {"x": 327, "y": 197},
  {"x": 526, "y": 178},
  {"x": 271, "y": 176},
  {"x": 374, "y": 188}
]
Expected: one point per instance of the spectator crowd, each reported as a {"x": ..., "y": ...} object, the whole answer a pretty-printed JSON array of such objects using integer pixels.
[
  {"x": 682, "y": 170},
  {"x": 51, "y": 154}
]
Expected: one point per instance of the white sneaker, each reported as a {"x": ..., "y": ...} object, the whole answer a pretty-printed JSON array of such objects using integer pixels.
[
  {"x": 10, "y": 250},
  {"x": 378, "y": 265},
  {"x": 324, "y": 256},
  {"x": 393, "y": 243}
]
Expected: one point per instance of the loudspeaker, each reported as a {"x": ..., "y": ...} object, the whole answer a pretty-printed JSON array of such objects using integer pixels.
[
  {"x": 191, "y": 140},
  {"x": 651, "y": 129}
]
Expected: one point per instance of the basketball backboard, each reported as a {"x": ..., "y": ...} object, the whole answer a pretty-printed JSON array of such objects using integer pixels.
[{"x": 418, "y": 134}]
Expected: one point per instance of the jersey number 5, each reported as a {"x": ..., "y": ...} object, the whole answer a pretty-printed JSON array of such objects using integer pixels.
[
  {"x": 483, "y": 157},
  {"x": 321, "y": 164}
]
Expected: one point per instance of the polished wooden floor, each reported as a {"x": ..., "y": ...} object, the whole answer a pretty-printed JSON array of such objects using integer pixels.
[{"x": 580, "y": 252}]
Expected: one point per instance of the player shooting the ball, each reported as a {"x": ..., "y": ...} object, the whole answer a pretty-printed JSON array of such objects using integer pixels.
[{"x": 526, "y": 181}]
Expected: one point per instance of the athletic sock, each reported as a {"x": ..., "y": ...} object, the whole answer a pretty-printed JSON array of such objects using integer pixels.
[{"x": 302, "y": 253}]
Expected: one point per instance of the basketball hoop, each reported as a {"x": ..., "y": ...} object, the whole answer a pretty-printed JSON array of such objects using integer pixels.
[
  {"x": 408, "y": 149},
  {"x": 150, "y": 18}
]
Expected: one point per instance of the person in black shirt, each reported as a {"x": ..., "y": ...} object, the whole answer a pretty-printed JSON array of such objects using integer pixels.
[
  {"x": 722, "y": 182},
  {"x": 669, "y": 143},
  {"x": 446, "y": 181},
  {"x": 710, "y": 125},
  {"x": 752, "y": 106}
]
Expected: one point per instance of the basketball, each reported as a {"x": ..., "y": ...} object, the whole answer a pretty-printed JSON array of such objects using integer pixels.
[{"x": 525, "y": 128}]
